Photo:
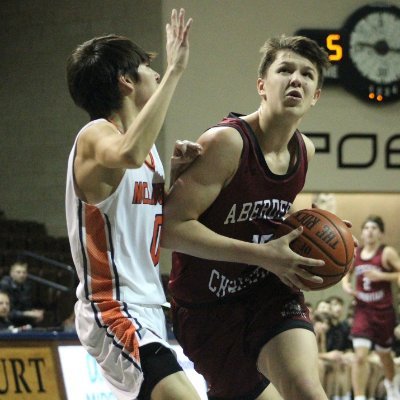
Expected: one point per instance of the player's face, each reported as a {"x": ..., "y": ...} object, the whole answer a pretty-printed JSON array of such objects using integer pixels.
[
  {"x": 147, "y": 84},
  {"x": 290, "y": 84},
  {"x": 4, "y": 305},
  {"x": 371, "y": 233}
]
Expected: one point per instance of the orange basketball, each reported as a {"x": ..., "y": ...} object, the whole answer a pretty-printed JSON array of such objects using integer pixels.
[{"x": 326, "y": 237}]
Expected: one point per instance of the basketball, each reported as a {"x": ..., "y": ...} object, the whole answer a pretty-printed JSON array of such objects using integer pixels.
[{"x": 326, "y": 237}]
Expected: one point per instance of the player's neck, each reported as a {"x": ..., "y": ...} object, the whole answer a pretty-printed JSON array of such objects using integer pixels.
[
  {"x": 275, "y": 132},
  {"x": 370, "y": 248},
  {"x": 123, "y": 118}
]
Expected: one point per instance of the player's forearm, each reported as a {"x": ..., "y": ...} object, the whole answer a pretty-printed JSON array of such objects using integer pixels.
[
  {"x": 193, "y": 238},
  {"x": 390, "y": 276},
  {"x": 144, "y": 130}
]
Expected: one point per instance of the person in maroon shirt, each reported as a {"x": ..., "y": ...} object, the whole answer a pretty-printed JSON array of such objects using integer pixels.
[
  {"x": 375, "y": 267},
  {"x": 238, "y": 311}
]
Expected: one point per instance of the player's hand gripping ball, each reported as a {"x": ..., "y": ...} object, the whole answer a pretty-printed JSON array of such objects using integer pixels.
[{"x": 326, "y": 237}]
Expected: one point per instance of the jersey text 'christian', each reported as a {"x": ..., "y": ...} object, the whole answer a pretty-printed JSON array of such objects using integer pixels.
[{"x": 274, "y": 209}]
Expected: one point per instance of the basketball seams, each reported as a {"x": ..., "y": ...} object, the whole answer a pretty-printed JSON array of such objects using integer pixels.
[
  {"x": 323, "y": 236},
  {"x": 314, "y": 244},
  {"x": 349, "y": 256}
]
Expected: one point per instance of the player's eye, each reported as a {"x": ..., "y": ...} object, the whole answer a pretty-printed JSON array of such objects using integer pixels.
[
  {"x": 309, "y": 75},
  {"x": 283, "y": 70}
]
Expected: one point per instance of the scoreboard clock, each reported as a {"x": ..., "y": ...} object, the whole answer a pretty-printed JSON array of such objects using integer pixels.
[{"x": 365, "y": 52}]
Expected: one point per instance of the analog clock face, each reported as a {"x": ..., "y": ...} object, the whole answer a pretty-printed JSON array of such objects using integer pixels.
[
  {"x": 371, "y": 57},
  {"x": 374, "y": 47}
]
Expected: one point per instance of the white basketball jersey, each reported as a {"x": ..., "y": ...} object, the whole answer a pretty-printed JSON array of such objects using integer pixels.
[{"x": 116, "y": 244}]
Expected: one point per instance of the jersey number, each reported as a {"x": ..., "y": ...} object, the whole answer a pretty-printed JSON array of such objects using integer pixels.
[
  {"x": 366, "y": 284},
  {"x": 155, "y": 241}
]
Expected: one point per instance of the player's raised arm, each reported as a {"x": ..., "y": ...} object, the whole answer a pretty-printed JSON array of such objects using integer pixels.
[
  {"x": 143, "y": 132},
  {"x": 131, "y": 149}
]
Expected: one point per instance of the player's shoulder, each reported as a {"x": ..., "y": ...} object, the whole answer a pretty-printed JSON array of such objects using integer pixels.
[
  {"x": 97, "y": 128},
  {"x": 310, "y": 147},
  {"x": 222, "y": 137},
  {"x": 389, "y": 251}
]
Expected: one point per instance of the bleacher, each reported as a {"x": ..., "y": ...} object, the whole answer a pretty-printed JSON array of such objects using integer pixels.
[{"x": 50, "y": 266}]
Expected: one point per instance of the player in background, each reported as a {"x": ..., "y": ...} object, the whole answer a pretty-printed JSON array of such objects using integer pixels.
[
  {"x": 375, "y": 267},
  {"x": 237, "y": 308},
  {"x": 114, "y": 200}
]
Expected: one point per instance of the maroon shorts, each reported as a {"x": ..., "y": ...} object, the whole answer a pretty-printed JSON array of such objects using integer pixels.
[
  {"x": 224, "y": 339},
  {"x": 375, "y": 325}
]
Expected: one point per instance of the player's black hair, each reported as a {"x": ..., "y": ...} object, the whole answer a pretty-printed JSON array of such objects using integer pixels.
[{"x": 93, "y": 70}]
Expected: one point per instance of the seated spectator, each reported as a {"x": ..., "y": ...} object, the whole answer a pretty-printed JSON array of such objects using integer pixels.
[
  {"x": 5, "y": 323},
  {"x": 338, "y": 339},
  {"x": 323, "y": 307},
  {"x": 334, "y": 361},
  {"x": 20, "y": 292},
  {"x": 339, "y": 332}
]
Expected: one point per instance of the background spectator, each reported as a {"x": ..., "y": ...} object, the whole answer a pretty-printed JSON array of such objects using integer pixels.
[
  {"x": 19, "y": 290},
  {"x": 5, "y": 323}
]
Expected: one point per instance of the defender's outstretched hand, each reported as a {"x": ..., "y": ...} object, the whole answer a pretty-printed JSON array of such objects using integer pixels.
[
  {"x": 185, "y": 152},
  {"x": 178, "y": 40}
]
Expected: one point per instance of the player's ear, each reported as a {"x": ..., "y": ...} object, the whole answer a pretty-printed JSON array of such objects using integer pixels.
[
  {"x": 126, "y": 84},
  {"x": 261, "y": 87},
  {"x": 316, "y": 96}
]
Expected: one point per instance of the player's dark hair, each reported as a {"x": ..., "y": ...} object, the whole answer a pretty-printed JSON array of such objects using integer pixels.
[
  {"x": 93, "y": 70},
  {"x": 298, "y": 44},
  {"x": 377, "y": 220}
]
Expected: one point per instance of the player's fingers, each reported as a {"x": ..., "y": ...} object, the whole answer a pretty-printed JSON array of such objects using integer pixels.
[
  {"x": 294, "y": 234},
  {"x": 181, "y": 22},
  {"x": 310, "y": 262},
  {"x": 193, "y": 149},
  {"x": 180, "y": 146},
  {"x": 298, "y": 283},
  {"x": 186, "y": 31},
  {"x": 170, "y": 27},
  {"x": 309, "y": 276},
  {"x": 287, "y": 281},
  {"x": 174, "y": 19},
  {"x": 188, "y": 148}
]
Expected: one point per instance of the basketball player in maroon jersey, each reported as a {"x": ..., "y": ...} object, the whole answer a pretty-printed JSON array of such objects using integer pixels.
[
  {"x": 375, "y": 267},
  {"x": 237, "y": 307}
]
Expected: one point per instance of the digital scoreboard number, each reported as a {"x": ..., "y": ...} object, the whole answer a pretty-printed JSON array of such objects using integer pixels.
[{"x": 332, "y": 41}]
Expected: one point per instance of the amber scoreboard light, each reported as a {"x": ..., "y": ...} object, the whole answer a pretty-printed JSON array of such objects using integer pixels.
[{"x": 365, "y": 52}]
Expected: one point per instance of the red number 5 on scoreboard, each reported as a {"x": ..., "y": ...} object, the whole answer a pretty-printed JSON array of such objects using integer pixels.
[{"x": 155, "y": 241}]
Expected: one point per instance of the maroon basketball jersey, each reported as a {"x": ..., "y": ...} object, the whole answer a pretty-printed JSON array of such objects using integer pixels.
[
  {"x": 249, "y": 208},
  {"x": 376, "y": 294}
]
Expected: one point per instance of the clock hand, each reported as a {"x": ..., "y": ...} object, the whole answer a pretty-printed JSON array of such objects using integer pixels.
[
  {"x": 365, "y": 44},
  {"x": 381, "y": 47}
]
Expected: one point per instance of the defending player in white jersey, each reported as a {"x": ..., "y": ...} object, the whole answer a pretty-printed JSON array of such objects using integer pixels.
[{"x": 114, "y": 199}]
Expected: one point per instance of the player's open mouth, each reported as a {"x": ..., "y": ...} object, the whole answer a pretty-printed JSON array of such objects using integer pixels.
[{"x": 295, "y": 94}]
